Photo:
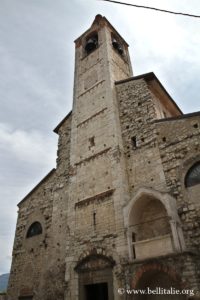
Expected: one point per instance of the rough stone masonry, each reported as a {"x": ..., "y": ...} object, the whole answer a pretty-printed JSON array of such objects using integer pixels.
[{"x": 122, "y": 208}]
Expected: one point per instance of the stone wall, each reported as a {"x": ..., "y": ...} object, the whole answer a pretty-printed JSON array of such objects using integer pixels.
[
  {"x": 98, "y": 181},
  {"x": 181, "y": 268},
  {"x": 159, "y": 152},
  {"x": 137, "y": 113},
  {"x": 38, "y": 266},
  {"x": 119, "y": 163},
  {"x": 179, "y": 151},
  {"x": 31, "y": 255}
]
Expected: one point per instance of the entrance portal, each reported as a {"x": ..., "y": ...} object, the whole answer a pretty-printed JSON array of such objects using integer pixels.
[
  {"x": 95, "y": 278},
  {"x": 98, "y": 291}
]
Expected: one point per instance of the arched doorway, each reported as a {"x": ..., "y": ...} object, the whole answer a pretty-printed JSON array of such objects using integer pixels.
[
  {"x": 95, "y": 278},
  {"x": 158, "y": 286}
]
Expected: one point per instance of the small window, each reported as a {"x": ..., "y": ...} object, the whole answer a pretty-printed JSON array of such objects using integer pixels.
[
  {"x": 94, "y": 218},
  {"x": 193, "y": 175},
  {"x": 164, "y": 114},
  {"x": 134, "y": 142},
  {"x": 34, "y": 229},
  {"x": 91, "y": 141},
  {"x": 91, "y": 43},
  {"x": 133, "y": 244}
]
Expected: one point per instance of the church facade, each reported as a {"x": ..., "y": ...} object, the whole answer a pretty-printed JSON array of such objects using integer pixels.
[{"x": 122, "y": 208}]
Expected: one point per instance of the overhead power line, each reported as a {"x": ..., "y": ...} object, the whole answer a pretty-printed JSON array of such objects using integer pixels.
[{"x": 154, "y": 8}]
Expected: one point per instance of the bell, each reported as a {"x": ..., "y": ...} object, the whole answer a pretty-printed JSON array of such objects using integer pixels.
[
  {"x": 120, "y": 50},
  {"x": 115, "y": 44},
  {"x": 90, "y": 46}
]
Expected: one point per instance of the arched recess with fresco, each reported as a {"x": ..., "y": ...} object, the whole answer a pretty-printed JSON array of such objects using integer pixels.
[{"x": 153, "y": 225}]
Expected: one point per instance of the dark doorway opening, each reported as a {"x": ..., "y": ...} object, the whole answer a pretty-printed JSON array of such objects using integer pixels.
[{"x": 97, "y": 291}]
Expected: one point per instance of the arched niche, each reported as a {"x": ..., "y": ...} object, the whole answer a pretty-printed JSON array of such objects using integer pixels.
[
  {"x": 153, "y": 226},
  {"x": 148, "y": 218}
]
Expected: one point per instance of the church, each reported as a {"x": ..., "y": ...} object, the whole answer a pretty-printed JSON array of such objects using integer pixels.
[{"x": 120, "y": 213}]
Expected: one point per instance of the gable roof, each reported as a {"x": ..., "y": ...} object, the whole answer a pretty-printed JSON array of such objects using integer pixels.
[
  {"x": 149, "y": 77},
  {"x": 37, "y": 186},
  {"x": 61, "y": 122}
]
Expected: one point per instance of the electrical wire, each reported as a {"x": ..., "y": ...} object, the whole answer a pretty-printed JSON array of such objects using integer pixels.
[{"x": 153, "y": 8}]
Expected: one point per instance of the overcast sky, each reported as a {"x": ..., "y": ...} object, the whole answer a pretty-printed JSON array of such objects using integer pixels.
[{"x": 36, "y": 79}]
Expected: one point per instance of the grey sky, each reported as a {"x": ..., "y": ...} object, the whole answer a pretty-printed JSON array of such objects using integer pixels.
[{"x": 36, "y": 79}]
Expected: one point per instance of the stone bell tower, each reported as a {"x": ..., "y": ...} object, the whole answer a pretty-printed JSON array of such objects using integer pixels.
[
  {"x": 101, "y": 59},
  {"x": 98, "y": 179},
  {"x": 121, "y": 210}
]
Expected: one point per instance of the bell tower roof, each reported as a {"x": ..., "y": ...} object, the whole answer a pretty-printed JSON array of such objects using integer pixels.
[{"x": 99, "y": 22}]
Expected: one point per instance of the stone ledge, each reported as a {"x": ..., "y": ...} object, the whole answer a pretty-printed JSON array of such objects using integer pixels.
[
  {"x": 96, "y": 197},
  {"x": 162, "y": 257},
  {"x": 90, "y": 88},
  {"x": 92, "y": 156},
  {"x": 93, "y": 116},
  {"x": 173, "y": 143}
]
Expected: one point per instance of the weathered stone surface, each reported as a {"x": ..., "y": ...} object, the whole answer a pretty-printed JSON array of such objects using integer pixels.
[{"x": 116, "y": 207}]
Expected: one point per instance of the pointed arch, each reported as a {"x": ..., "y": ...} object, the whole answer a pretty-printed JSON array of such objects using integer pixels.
[{"x": 152, "y": 223}]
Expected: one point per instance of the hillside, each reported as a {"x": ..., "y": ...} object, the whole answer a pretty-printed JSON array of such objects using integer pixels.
[{"x": 4, "y": 282}]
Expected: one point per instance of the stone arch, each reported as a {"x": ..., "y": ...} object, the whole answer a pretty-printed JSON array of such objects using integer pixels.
[
  {"x": 34, "y": 229},
  {"x": 92, "y": 251},
  {"x": 94, "y": 262},
  {"x": 152, "y": 223},
  {"x": 168, "y": 202},
  {"x": 157, "y": 277},
  {"x": 158, "y": 267},
  {"x": 87, "y": 253},
  {"x": 95, "y": 276},
  {"x": 149, "y": 218}
]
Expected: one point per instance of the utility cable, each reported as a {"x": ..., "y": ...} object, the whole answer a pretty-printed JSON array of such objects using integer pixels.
[{"x": 154, "y": 8}]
